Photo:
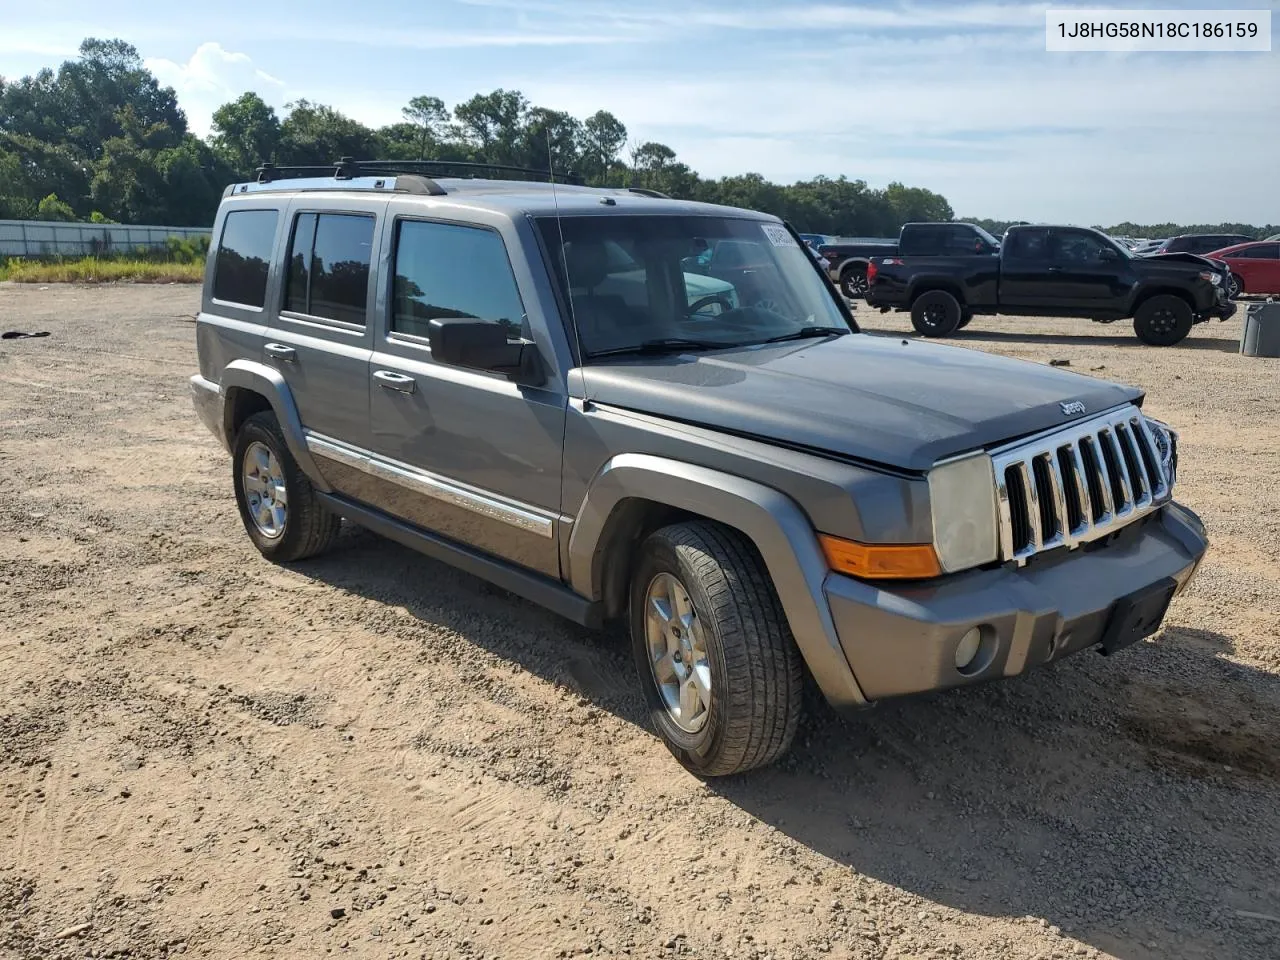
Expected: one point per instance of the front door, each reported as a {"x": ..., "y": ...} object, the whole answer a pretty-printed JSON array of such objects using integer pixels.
[
  {"x": 470, "y": 455},
  {"x": 1087, "y": 272}
]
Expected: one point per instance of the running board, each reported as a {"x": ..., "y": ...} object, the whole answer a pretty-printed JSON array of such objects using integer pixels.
[{"x": 533, "y": 587}]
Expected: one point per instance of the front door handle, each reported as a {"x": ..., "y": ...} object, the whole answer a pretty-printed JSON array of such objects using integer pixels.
[
  {"x": 281, "y": 352},
  {"x": 1055, "y": 269},
  {"x": 395, "y": 381}
]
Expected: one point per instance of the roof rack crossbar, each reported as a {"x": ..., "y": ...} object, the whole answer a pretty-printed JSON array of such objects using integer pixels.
[{"x": 646, "y": 192}]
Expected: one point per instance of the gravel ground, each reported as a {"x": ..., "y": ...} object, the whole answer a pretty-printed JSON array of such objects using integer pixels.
[{"x": 371, "y": 755}]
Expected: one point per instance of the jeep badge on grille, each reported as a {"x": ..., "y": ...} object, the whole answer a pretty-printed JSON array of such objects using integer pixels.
[{"x": 1072, "y": 408}]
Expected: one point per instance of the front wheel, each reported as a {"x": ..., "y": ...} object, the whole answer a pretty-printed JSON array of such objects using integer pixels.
[
  {"x": 721, "y": 674},
  {"x": 936, "y": 313},
  {"x": 1163, "y": 320},
  {"x": 1235, "y": 286}
]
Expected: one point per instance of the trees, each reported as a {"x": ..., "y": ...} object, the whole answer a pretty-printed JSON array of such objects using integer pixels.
[
  {"x": 316, "y": 135},
  {"x": 246, "y": 133},
  {"x": 429, "y": 119}
]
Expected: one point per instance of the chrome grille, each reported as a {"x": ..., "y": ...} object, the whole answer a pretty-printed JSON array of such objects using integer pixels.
[{"x": 1082, "y": 482}]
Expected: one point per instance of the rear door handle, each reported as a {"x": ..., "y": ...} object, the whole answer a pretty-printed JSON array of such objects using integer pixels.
[
  {"x": 395, "y": 381},
  {"x": 281, "y": 352},
  {"x": 1055, "y": 269}
]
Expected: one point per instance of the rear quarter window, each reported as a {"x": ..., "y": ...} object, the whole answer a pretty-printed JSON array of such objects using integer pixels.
[{"x": 244, "y": 257}]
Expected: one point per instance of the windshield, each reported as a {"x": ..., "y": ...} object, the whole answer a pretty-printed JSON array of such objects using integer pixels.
[
  {"x": 705, "y": 282},
  {"x": 995, "y": 244}
]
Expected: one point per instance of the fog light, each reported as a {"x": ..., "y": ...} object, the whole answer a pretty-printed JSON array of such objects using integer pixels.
[{"x": 967, "y": 649}]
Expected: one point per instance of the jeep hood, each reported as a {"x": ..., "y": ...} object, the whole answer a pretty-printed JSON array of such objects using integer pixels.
[{"x": 886, "y": 400}]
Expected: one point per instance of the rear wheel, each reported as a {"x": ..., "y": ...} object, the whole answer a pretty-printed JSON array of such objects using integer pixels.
[
  {"x": 721, "y": 674},
  {"x": 936, "y": 313},
  {"x": 1235, "y": 286},
  {"x": 281, "y": 513},
  {"x": 1163, "y": 320},
  {"x": 853, "y": 282}
]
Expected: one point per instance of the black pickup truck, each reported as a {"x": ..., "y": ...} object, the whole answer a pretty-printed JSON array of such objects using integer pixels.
[
  {"x": 847, "y": 261},
  {"x": 1054, "y": 271}
]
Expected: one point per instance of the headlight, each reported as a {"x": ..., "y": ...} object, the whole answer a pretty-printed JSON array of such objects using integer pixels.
[
  {"x": 1166, "y": 440},
  {"x": 1212, "y": 277},
  {"x": 962, "y": 496}
]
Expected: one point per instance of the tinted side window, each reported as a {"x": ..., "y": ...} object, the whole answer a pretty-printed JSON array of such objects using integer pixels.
[
  {"x": 297, "y": 289},
  {"x": 340, "y": 267},
  {"x": 1027, "y": 245},
  {"x": 244, "y": 256},
  {"x": 1266, "y": 251},
  {"x": 443, "y": 270},
  {"x": 1078, "y": 247},
  {"x": 926, "y": 240}
]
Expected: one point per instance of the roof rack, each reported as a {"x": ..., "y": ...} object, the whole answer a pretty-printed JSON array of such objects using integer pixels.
[
  {"x": 646, "y": 192},
  {"x": 347, "y": 169}
]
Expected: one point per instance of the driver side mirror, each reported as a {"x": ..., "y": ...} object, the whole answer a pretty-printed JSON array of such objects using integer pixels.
[{"x": 481, "y": 345}]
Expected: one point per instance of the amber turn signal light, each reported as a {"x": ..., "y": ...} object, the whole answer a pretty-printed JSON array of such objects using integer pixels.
[{"x": 880, "y": 561}]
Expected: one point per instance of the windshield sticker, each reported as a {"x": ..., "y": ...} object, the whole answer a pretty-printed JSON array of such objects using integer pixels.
[{"x": 778, "y": 236}]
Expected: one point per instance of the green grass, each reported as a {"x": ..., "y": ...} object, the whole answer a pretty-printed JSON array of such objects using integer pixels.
[{"x": 93, "y": 270}]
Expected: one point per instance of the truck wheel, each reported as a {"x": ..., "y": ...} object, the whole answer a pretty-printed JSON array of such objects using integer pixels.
[
  {"x": 1235, "y": 286},
  {"x": 1163, "y": 320},
  {"x": 936, "y": 313},
  {"x": 279, "y": 508},
  {"x": 721, "y": 674},
  {"x": 853, "y": 282}
]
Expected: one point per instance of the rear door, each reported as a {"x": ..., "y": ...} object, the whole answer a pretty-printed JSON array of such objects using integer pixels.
[
  {"x": 1025, "y": 277},
  {"x": 319, "y": 336},
  {"x": 464, "y": 453}
]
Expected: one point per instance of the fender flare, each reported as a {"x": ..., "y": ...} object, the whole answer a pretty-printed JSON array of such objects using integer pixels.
[
  {"x": 270, "y": 383},
  {"x": 840, "y": 268},
  {"x": 772, "y": 521}
]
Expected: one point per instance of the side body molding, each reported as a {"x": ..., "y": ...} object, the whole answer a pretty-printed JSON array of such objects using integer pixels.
[
  {"x": 267, "y": 381},
  {"x": 772, "y": 521}
]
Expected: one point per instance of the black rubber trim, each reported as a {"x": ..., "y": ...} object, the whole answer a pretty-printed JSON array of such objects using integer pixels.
[{"x": 538, "y": 589}]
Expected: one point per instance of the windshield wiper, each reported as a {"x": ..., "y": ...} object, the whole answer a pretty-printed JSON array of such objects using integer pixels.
[
  {"x": 663, "y": 345},
  {"x": 806, "y": 332}
]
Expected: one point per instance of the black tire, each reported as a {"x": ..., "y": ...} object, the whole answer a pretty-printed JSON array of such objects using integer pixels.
[
  {"x": 1235, "y": 286},
  {"x": 1163, "y": 320},
  {"x": 936, "y": 313},
  {"x": 756, "y": 671},
  {"x": 309, "y": 527},
  {"x": 965, "y": 317},
  {"x": 853, "y": 282}
]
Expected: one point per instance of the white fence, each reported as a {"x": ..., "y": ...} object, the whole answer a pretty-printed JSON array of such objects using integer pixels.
[{"x": 42, "y": 238}]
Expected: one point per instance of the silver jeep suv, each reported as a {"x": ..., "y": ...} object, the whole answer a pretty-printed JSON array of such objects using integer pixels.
[{"x": 620, "y": 405}]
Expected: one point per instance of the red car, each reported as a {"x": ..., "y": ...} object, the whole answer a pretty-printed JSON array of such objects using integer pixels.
[{"x": 1255, "y": 267}]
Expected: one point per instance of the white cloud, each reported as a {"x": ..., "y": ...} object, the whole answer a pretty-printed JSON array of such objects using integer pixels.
[{"x": 213, "y": 76}]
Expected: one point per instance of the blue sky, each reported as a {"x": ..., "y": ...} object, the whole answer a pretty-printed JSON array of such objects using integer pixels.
[{"x": 960, "y": 97}]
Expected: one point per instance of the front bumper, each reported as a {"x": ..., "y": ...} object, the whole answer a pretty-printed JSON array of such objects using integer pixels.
[
  {"x": 208, "y": 401},
  {"x": 902, "y": 640},
  {"x": 1225, "y": 310}
]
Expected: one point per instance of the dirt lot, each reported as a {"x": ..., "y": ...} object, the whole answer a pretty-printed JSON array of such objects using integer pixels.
[{"x": 371, "y": 755}]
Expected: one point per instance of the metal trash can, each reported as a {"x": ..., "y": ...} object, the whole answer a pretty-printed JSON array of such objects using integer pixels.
[{"x": 1261, "y": 335}]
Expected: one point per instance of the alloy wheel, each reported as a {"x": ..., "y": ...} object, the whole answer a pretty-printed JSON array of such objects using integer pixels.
[
  {"x": 265, "y": 492},
  {"x": 676, "y": 643}
]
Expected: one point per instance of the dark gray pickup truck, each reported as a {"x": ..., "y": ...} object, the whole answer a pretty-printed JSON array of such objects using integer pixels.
[
  {"x": 847, "y": 261},
  {"x": 627, "y": 407}
]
